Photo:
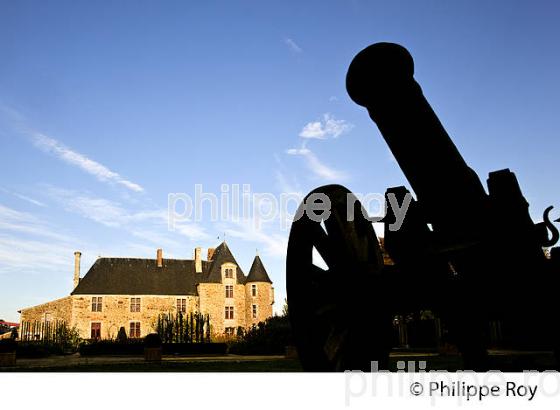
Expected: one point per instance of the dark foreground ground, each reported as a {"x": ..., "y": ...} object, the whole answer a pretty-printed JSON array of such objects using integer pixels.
[{"x": 499, "y": 359}]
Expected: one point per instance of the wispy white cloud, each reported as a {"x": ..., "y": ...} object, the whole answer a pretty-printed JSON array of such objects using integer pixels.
[
  {"x": 153, "y": 222},
  {"x": 328, "y": 127},
  {"x": 12, "y": 116},
  {"x": 26, "y": 223},
  {"x": 286, "y": 185},
  {"x": 99, "y": 210},
  {"x": 100, "y": 171},
  {"x": 273, "y": 244},
  {"x": 17, "y": 123},
  {"x": 292, "y": 45},
  {"x": 286, "y": 182},
  {"x": 315, "y": 165},
  {"x": 29, "y": 244},
  {"x": 19, "y": 255},
  {"x": 24, "y": 197},
  {"x": 29, "y": 199}
]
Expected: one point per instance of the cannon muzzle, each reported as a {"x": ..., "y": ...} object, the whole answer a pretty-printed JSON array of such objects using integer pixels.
[
  {"x": 378, "y": 72},
  {"x": 381, "y": 78}
]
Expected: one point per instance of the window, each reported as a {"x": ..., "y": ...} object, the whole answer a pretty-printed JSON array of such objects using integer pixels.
[
  {"x": 229, "y": 291},
  {"x": 135, "y": 304},
  {"x": 182, "y": 305},
  {"x": 229, "y": 312},
  {"x": 229, "y": 273},
  {"x": 254, "y": 290},
  {"x": 230, "y": 331},
  {"x": 96, "y": 304},
  {"x": 134, "y": 330},
  {"x": 96, "y": 330},
  {"x": 254, "y": 311}
]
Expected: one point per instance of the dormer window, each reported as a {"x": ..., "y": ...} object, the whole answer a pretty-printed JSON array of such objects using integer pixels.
[{"x": 229, "y": 272}]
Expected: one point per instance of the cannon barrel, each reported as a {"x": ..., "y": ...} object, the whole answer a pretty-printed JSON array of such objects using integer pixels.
[
  {"x": 380, "y": 78},
  {"x": 482, "y": 246}
]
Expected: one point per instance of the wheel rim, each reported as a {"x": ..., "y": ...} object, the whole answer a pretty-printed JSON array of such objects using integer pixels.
[{"x": 338, "y": 323}]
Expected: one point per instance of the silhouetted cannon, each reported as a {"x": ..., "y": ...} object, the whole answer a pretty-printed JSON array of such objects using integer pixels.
[{"x": 469, "y": 255}]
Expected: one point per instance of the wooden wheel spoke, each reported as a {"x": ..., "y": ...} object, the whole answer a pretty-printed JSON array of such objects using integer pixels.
[
  {"x": 327, "y": 311},
  {"x": 323, "y": 243},
  {"x": 335, "y": 342},
  {"x": 318, "y": 275}
]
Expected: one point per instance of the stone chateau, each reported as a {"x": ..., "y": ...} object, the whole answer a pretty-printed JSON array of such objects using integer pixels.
[{"x": 132, "y": 293}]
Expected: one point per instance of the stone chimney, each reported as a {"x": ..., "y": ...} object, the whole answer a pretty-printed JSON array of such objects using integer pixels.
[
  {"x": 210, "y": 254},
  {"x": 159, "y": 258},
  {"x": 198, "y": 260},
  {"x": 77, "y": 257}
]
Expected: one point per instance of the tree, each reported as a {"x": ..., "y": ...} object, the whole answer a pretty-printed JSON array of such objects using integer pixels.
[
  {"x": 285, "y": 311},
  {"x": 3, "y": 326},
  {"x": 121, "y": 335}
]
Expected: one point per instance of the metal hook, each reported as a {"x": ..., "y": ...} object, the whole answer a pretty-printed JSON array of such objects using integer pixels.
[{"x": 553, "y": 230}]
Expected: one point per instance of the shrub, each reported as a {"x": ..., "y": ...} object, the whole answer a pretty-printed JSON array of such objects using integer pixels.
[
  {"x": 7, "y": 346},
  {"x": 152, "y": 340},
  {"x": 269, "y": 337},
  {"x": 56, "y": 337},
  {"x": 183, "y": 328},
  {"x": 121, "y": 336},
  {"x": 38, "y": 349}
]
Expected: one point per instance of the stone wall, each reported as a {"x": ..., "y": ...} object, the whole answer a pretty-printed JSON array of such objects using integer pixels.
[
  {"x": 60, "y": 309},
  {"x": 213, "y": 302},
  {"x": 212, "y": 297},
  {"x": 116, "y": 312},
  {"x": 264, "y": 301},
  {"x": 76, "y": 310}
]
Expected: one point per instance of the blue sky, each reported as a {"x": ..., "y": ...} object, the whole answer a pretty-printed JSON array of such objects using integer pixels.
[{"x": 107, "y": 107}]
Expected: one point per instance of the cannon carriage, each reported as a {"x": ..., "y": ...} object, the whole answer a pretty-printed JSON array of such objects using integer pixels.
[{"x": 468, "y": 254}]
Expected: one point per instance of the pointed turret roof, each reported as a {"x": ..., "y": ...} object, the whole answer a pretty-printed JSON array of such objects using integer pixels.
[
  {"x": 222, "y": 255},
  {"x": 258, "y": 272}
]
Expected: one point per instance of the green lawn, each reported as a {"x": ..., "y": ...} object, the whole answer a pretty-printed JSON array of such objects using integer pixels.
[
  {"x": 504, "y": 360},
  {"x": 170, "y": 366}
]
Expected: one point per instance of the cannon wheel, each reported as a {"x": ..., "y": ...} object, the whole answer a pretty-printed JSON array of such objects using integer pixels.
[{"x": 340, "y": 316}]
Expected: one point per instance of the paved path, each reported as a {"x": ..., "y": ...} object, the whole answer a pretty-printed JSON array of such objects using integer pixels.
[{"x": 77, "y": 360}]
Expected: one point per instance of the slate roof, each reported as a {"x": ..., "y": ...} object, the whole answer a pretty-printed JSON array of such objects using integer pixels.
[
  {"x": 257, "y": 273},
  {"x": 222, "y": 255},
  {"x": 134, "y": 276}
]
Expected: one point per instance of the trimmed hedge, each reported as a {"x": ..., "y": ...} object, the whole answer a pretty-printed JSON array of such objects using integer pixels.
[
  {"x": 7, "y": 345},
  {"x": 110, "y": 347},
  {"x": 40, "y": 349}
]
